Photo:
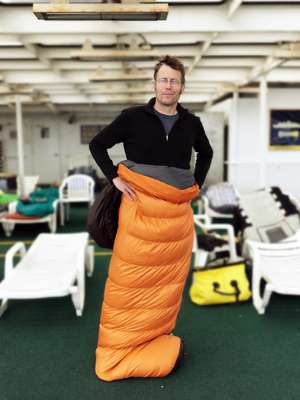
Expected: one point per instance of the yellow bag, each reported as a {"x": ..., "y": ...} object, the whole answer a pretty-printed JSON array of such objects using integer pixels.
[{"x": 218, "y": 285}]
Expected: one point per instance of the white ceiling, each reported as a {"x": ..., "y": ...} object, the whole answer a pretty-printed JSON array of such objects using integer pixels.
[{"x": 225, "y": 46}]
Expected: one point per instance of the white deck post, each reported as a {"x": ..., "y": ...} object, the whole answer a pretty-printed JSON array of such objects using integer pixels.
[
  {"x": 233, "y": 140},
  {"x": 20, "y": 144},
  {"x": 263, "y": 128}
]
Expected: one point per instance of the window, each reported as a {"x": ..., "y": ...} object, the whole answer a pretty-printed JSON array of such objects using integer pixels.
[
  {"x": 45, "y": 132},
  {"x": 87, "y": 132}
]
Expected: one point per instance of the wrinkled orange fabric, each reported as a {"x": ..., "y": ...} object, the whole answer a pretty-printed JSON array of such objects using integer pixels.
[{"x": 147, "y": 273}]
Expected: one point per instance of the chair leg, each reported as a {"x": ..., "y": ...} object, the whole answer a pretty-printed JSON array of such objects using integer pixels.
[
  {"x": 8, "y": 228},
  {"x": 260, "y": 310},
  {"x": 68, "y": 211},
  {"x": 79, "y": 294},
  {"x": 62, "y": 213},
  {"x": 266, "y": 296},
  {"x": 256, "y": 298},
  {"x": 200, "y": 258},
  {"x": 3, "y": 306},
  {"x": 52, "y": 223},
  {"x": 89, "y": 260}
]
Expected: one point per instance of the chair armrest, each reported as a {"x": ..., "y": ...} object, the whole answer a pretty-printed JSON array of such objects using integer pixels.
[
  {"x": 9, "y": 256},
  {"x": 211, "y": 212},
  {"x": 206, "y": 225},
  {"x": 12, "y": 207},
  {"x": 54, "y": 205},
  {"x": 231, "y": 238},
  {"x": 216, "y": 214},
  {"x": 219, "y": 227},
  {"x": 201, "y": 217}
]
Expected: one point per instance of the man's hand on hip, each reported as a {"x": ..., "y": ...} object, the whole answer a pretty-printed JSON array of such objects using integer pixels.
[{"x": 124, "y": 187}]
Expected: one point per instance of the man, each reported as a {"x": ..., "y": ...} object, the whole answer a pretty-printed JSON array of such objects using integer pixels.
[
  {"x": 135, "y": 127},
  {"x": 152, "y": 250}
]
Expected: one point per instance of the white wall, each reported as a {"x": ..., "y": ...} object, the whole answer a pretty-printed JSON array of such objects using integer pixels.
[
  {"x": 213, "y": 124},
  {"x": 51, "y": 158},
  {"x": 282, "y": 168}
]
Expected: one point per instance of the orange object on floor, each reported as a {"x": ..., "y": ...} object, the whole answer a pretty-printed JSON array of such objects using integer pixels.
[
  {"x": 147, "y": 273},
  {"x": 15, "y": 215}
]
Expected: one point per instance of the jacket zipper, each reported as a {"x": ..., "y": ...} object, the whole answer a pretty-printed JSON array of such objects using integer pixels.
[{"x": 163, "y": 128}]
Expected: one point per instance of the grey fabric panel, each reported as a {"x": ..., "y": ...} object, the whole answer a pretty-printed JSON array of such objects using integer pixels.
[
  {"x": 168, "y": 121},
  {"x": 177, "y": 177}
]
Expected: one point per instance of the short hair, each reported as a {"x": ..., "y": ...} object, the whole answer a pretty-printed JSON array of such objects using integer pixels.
[{"x": 171, "y": 62}]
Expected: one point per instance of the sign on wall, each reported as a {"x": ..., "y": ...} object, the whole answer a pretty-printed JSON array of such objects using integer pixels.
[{"x": 285, "y": 130}]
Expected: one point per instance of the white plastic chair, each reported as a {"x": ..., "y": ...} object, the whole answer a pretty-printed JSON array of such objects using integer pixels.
[
  {"x": 294, "y": 200},
  {"x": 30, "y": 183},
  {"x": 203, "y": 204},
  {"x": 267, "y": 222},
  {"x": 279, "y": 265},
  {"x": 53, "y": 266},
  {"x": 201, "y": 255},
  {"x": 219, "y": 194},
  {"x": 8, "y": 224},
  {"x": 77, "y": 188}
]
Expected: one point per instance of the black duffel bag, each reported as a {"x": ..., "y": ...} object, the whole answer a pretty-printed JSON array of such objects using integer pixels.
[{"x": 102, "y": 220}]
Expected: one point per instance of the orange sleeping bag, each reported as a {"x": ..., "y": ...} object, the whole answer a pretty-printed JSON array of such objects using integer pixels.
[{"x": 147, "y": 273}]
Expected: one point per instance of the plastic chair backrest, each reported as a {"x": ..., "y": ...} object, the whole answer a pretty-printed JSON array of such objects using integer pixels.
[{"x": 77, "y": 186}]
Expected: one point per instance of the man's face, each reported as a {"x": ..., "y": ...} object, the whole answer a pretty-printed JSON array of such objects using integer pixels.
[{"x": 168, "y": 86}]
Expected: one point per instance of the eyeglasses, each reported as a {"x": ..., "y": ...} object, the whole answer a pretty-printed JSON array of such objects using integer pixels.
[{"x": 165, "y": 81}]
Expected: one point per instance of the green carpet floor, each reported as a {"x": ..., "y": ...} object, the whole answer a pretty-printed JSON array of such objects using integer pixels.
[{"x": 47, "y": 353}]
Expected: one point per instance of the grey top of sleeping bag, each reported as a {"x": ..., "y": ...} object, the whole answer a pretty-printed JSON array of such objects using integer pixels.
[{"x": 177, "y": 177}]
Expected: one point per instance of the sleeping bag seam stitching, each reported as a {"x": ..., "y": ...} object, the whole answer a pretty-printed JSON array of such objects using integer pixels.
[
  {"x": 145, "y": 287},
  {"x": 141, "y": 308},
  {"x": 158, "y": 241},
  {"x": 145, "y": 265}
]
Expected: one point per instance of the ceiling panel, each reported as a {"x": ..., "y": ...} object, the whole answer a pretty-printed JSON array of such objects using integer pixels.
[{"x": 219, "y": 49}]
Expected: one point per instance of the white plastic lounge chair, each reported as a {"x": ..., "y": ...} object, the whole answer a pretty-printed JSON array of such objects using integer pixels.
[
  {"x": 266, "y": 218},
  {"x": 200, "y": 255},
  {"x": 77, "y": 188},
  {"x": 54, "y": 266},
  {"x": 279, "y": 265},
  {"x": 8, "y": 224}
]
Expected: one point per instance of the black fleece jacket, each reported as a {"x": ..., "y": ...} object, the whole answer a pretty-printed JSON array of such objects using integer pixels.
[{"x": 144, "y": 139}]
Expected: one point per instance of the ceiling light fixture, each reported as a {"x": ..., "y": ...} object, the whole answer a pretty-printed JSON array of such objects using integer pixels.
[{"x": 138, "y": 11}]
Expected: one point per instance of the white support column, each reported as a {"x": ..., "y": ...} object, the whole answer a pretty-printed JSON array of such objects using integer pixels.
[
  {"x": 233, "y": 6},
  {"x": 20, "y": 145},
  {"x": 233, "y": 139},
  {"x": 263, "y": 128}
]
